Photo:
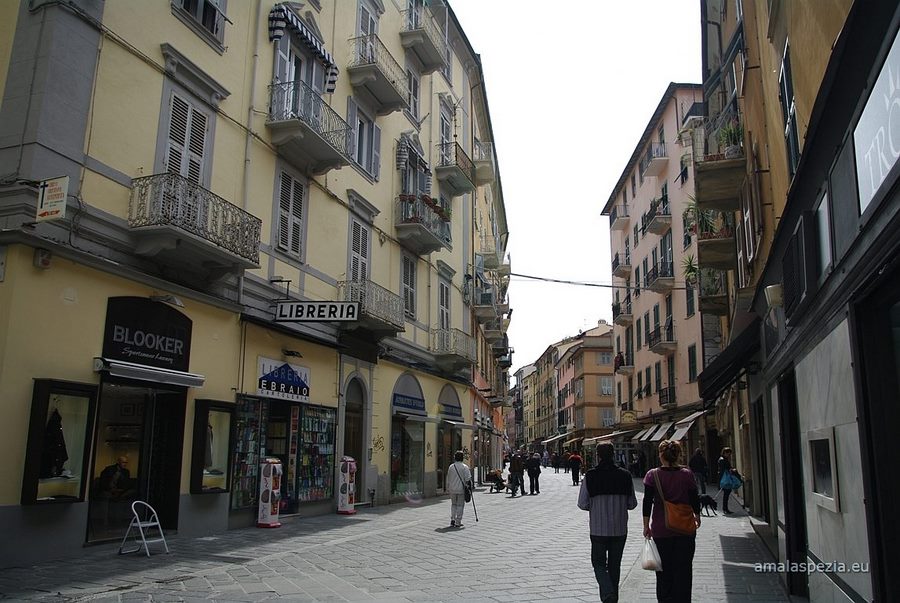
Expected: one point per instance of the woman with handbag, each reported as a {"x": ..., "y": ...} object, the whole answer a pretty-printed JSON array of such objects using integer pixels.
[
  {"x": 459, "y": 485},
  {"x": 729, "y": 478},
  {"x": 671, "y": 517}
]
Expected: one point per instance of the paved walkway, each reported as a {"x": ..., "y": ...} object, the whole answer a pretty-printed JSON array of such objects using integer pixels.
[{"x": 532, "y": 548}]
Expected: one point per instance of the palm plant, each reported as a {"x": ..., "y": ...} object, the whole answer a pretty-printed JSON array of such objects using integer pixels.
[{"x": 690, "y": 269}]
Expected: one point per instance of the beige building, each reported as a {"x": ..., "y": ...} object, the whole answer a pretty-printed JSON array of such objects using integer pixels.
[{"x": 232, "y": 231}]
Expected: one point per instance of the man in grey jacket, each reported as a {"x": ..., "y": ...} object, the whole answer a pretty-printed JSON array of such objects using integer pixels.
[
  {"x": 607, "y": 492},
  {"x": 458, "y": 476}
]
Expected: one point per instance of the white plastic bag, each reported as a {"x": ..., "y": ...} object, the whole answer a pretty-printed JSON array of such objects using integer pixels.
[{"x": 650, "y": 556}]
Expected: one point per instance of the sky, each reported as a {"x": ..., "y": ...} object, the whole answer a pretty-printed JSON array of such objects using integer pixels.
[{"x": 571, "y": 86}]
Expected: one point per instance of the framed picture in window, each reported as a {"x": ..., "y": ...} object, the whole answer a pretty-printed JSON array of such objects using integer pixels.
[
  {"x": 211, "y": 452},
  {"x": 823, "y": 469},
  {"x": 59, "y": 436}
]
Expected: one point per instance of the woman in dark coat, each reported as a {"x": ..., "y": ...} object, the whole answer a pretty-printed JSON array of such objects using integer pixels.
[
  {"x": 724, "y": 466},
  {"x": 554, "y": 460},
  {"x": 533, "y": 465}
]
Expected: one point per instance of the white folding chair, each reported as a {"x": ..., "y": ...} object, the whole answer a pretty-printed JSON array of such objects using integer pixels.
[{"x": 144, "y": 520}]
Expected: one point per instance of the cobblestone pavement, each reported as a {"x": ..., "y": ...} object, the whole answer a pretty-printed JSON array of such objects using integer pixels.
[{"x": 532, "y": 548}]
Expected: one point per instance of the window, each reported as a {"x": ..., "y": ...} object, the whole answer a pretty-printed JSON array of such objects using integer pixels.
[
  {"x": 822, "y": 457},
  {"x": 655, "y": 316},
  {"x": 206, "y": 17},
  {"x": 186, "y": 142},
  {"x": 640, "y": 383},
  {"x": 409, "y": 287},
  {"x": 635, "y": 237},
  {"x": 365, "y": 139},
  {"x": 670, "y": 371},
  {"x": 692, "y": 363},
  {"x": 604, "y": 357},
  {"x": 210, "y": 458},
  {"x": 637, "y": 281},
  {"x": 290, "y": 214},
  {"x": 359, "y": 252},
  {"x": 633, "y": 192},
  {"x": 823, "y": 225},
  {"x": 607, "y": 417},
  {"x": 647, "y": 326},
  {"x": 619, "y": 393},
  {"x": 788, "y": 111},
  {"x": 689, "y": 299},
  {"x": 657, "y": 370},
  {"x": 647, "y": 386},
  {"x": 637, "y": 330},
  {"x": 443, "y": 305},
  {"x": 412, "y": 80},
  {"x": 606, "y": 386}
]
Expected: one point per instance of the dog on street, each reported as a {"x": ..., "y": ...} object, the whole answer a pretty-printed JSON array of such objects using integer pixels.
[{"x": 708, "y": 503}]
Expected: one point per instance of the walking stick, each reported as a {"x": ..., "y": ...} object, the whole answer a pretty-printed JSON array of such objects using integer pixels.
[{"x": 473, "y": 505}]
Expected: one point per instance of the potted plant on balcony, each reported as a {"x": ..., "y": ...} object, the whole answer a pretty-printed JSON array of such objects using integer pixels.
[
  {"x": 690, "y": 269},
  {"x": 701, "y": 222},
  {"x": 731, "y": 136},
  {"x": 407, "y": 197},
  {"x": 429, "y": 201}
]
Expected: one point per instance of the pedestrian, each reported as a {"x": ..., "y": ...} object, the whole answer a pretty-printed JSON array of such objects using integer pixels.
[
  {"x": 575, "y": 461},
  {"x": 554, "y": 461},
  {"x": 724, "y": 466},
  {"x": 458, "y": 477},
  {"x": 534, "y": 473},
  {"x": 700, "y": 467},
  {"x": 516, "y": 473},
  {"x": 566, "y": 461},
  {"x": 607, "y": 493},
  {"x": 671, "y": 483},
  {"x": 545, "y": 459}
]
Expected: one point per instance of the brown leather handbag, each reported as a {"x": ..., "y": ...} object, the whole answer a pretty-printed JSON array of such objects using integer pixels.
[{"x": 679, "y": 516}]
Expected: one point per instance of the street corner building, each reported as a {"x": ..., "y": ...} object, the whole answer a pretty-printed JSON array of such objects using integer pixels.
[{"x": 283, "y": 241}]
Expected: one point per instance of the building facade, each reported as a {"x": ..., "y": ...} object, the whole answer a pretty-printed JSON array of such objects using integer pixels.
[{"x": 283, "y": 238}]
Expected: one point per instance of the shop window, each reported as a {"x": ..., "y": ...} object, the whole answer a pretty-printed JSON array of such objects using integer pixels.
[
  {"x": 249, "y": 438},
  {"x": 823, "y": 476},
  {"x": 210, "y": 462},
  {"x": 57, "y": 455}
]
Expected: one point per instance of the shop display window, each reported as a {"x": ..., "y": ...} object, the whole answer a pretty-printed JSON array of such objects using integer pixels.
[
  {"x": 249, "y": 443},
  {"x": 407, "y": 457},
  {"x": 57, "y": 454},
  {"x": 210, "y": 460},
  {"x": 315, "y": 462}
]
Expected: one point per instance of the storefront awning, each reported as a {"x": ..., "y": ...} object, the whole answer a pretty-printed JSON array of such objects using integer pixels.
[
  {"x": 681, "y": 430},
  {"x": 691, "y": 418},
  {"x": 650, "y": 431},
  {"x": 725, "y": 369},
  {"x": 553, "y": 439},
  {"x": 459, "y": 425},
  {"x": 605, "y": 437},
  {"x": 639, "y": 435},
  {"x": 572, "y": 441},
  {"x": 661, "y": 432},
  {"x": 130, "y": 370}
]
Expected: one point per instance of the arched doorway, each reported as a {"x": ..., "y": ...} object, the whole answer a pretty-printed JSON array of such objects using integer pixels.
[
  {"x": 449, "y": 438},
  {"x": 407, "y": 438},
  {"x": 354, "y": 431}
]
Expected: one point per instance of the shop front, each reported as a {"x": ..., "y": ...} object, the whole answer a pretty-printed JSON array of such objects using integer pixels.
[
  {"x": 450, "y": 432},
  {"x": 408, "y": 418}
]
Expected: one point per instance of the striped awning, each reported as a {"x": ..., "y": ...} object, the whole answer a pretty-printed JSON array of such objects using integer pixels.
[{"x": 282, "y": 18}]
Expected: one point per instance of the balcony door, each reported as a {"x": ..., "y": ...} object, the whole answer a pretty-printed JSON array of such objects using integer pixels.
[
  {"x": 446, "y": 135},
  {"x": 444, "y": 305},
  {"x": 368, "y": 30},
  {"x": 302, "y": 81},
  {"x": 186, "y": 144}
]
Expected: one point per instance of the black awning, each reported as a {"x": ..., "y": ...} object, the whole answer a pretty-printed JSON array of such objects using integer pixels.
[{"x": 724, "y": 370}]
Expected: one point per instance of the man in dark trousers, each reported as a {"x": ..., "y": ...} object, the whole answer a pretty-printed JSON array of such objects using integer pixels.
[
  {"x": 575, "y": 461},
  {"x": 700, "y": 467},
  {"x": 607, "y": 493},
  {"x": 517, "y": 472}
]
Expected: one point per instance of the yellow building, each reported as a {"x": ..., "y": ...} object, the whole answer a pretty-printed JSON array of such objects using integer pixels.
[{"x": 234, "y": 231}]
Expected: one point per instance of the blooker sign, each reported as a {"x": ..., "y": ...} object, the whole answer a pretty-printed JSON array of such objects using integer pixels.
[{"x": 147, "y": 332}]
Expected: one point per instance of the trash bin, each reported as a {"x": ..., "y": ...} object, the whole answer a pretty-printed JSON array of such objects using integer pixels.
[
  {"x": 269, "y": 493},
  {"x": 347, "y": 486}
]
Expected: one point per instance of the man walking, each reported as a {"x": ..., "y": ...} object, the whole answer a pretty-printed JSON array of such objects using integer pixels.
[
  {"x": 575, "y": 461},
  {"x": 458, "y": 477},
  {"x": 699, "y": 466},
  {"x": 607, "y": 493},
  {"x": 517, "y": 472}
]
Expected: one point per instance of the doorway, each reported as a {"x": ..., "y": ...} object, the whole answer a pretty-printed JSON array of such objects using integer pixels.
[
  {"x": 792, "y": 472},
  {"x": 137, "y": 456},
  {"x": 354, "y": 446}
]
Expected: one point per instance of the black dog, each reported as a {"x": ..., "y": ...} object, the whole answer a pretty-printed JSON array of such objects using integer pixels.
[{"x": 709, "y": 503}]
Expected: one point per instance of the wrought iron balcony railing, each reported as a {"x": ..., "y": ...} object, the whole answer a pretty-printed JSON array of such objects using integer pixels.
[
  {"x": 621, "y": 261},
  {"x": 715, "y": 225},
  {"x": 429, "y": 213},
  {"x": 453, "y": 342},
  {"x": 416, "y": 19},
  {"x": 370, "y": 50},
  {"x": 297, "y": 100},
  {"x": 452, "y": 154},
  {"x": 172, "y": 200},
  {"x": 662, "y": 269},
  {"x": 374, "y": 301},
  {"x": 655, "y": 150},
  {"x": 712, "y": 282},
  {"x": 622, "y": 307},
  {"x": 661, "y": 335},
  {"x": 667, "y": 397},
  {"x": 483, "y": 151}
]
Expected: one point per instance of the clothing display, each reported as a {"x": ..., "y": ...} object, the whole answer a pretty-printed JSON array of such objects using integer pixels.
[{"x": 54, "y": 454}]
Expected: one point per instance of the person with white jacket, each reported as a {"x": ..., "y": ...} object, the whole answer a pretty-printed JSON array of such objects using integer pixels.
[{"x": 458, "y": 476}]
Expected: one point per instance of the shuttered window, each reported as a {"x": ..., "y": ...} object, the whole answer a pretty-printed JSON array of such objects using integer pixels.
[
  {"x": 290, "y": 214},
  {"x": 359, "y": 252},
  {"x": 444, "y": 304},
  {"x": 186, "y": 144},
  {"x": 409, "y": 287},
  {"x": 365, "y": 139}
]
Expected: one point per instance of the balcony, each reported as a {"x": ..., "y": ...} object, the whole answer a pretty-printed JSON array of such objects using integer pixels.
[
  {"x": 454, "y": 170},
  {"x": 493, "y": 330},
  {"x": 505, "y": 361},
  {"x": 662, "y": 340},
  {"x": 667, "y": 398},
  {"x": 424, "y": 37},
  {"x": 715, "y": 240},
  {"x": 182, "y": 224},
  {"x": 660, "y": 278},
  {"x": 306, "y": 131},
  {"x": 490, "y": 252},
  {"x": 452, "y": 348},
  {"x": 375, "y": 72},
  {"x": 624, "y": 364},
  {"x": 621, "y": 267},
  {"x": 622, "y": 312},
  {"x": 658, "y": 218},
  {"x": 422, "y": 225},
  {"x": 713, "y": 292},
  {"x": 501, "y": 348},
  {"x": 380, "y": 310},
  {"x": 654, "y": 160},
  {"x": 720, "y": 166},
  {"x": 485, "y": 304},
  {"x": 483, "y": 155},
  {"x": 618, "y": 217}
]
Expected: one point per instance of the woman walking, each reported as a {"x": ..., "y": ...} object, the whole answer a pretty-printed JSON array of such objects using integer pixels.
[
  {"x": 725, "y": 468},
  {"x": 534, "y": 473},
  {"x": 554, "y": 460},
  {"x": 671, "y": 483}
]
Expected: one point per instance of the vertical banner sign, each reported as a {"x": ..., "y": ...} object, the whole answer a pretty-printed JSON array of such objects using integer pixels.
[{"x": 52, "y": 199}]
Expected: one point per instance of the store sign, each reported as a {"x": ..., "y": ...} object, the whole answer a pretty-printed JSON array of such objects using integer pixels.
[
  {"x": 278, "y": 379},
  {"x": 628, "y": 416},
  {"x": 52, "y": 196},
  {"x": 316, "y": 311},
  {"x": 147, "y": 332},
  {"x": 451, "y": 411},
  {"x": 877, "y": 133},
  {"x": 408, "y": 404}
]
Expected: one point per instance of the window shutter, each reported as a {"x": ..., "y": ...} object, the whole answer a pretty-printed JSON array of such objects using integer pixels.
[
  {"x": 409, "y": 287},
  {"x": 354, "y": 127},
  {"x": 179, "y": 118},
  {"x": 798, "y": 265},
  {"x": 196, "y": 147},
  {"x": 296, "y": 216},
  {"x": 290, "y": 214},
  {"x": 444, "y": 305},
  {"x": 376, "y": 151},
  {"x": 359, "y": 253}
]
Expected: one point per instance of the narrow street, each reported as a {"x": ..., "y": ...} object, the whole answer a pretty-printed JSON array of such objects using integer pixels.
[{"x": 532, "y": 548}]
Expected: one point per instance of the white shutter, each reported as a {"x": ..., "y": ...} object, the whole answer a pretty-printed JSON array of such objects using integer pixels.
[
  {"x": 444, "y": 305},
  {"x": 409, "y": 287},
  {"x": 376, "y": 151},
  {"x": 359, "y": 252},
  {"x": 179, "y": 118},
  {"x": 290, "y": 214}
]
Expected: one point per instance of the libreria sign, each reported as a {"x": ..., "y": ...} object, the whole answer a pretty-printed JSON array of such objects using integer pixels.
[{"x": 877, "y": 134}]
